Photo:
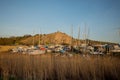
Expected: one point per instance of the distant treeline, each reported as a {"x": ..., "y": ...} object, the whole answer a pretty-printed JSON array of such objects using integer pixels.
[{"x": 12, "y": 40}]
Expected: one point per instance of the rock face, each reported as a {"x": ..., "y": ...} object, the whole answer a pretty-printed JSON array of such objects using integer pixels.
[{"x": 52, "y": 38}]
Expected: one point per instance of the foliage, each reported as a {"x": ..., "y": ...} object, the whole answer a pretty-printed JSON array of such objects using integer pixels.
[{"x": 12, "y": 40}]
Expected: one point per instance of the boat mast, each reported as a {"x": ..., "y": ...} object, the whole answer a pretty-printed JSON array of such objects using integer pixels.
[
  {"x": 88, "y": 35},
  {"x": 78, "y": 36},
  {"x": 33, "y": 38},
  {"x": 39, "y": 38},
  {"x": 71, "y": 38},
  {"x": 119, "y": 33},
  {"x": 85, "y": 35}
]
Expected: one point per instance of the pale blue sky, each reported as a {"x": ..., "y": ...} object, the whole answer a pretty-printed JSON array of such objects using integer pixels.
[{"x": 20, "y": 17}]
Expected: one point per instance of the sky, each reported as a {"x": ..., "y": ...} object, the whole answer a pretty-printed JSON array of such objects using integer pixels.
[{"x": 101, "y": 18}]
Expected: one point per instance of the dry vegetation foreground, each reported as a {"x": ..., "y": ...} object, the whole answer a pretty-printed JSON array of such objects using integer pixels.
[
  {"x": 49, "y": 67},
  {"x": 6, "y": 48}
]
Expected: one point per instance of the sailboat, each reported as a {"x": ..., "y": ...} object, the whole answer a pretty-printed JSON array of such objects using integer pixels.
[{"x": 40, "y": 49}]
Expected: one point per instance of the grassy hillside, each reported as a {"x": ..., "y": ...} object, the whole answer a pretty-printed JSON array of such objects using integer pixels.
[{"x": 52, "y": 38}]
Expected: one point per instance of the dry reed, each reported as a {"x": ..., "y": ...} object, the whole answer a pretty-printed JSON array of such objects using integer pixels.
[{"x": 49, "y": 67}]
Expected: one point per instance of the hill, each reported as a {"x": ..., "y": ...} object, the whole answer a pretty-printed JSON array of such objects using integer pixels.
[{"x": 52, "y": 38}]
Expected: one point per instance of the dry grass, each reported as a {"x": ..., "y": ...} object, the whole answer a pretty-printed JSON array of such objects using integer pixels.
[
  {"x": 48, "y": 67},
  {"x": 7, "y": 47}
]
